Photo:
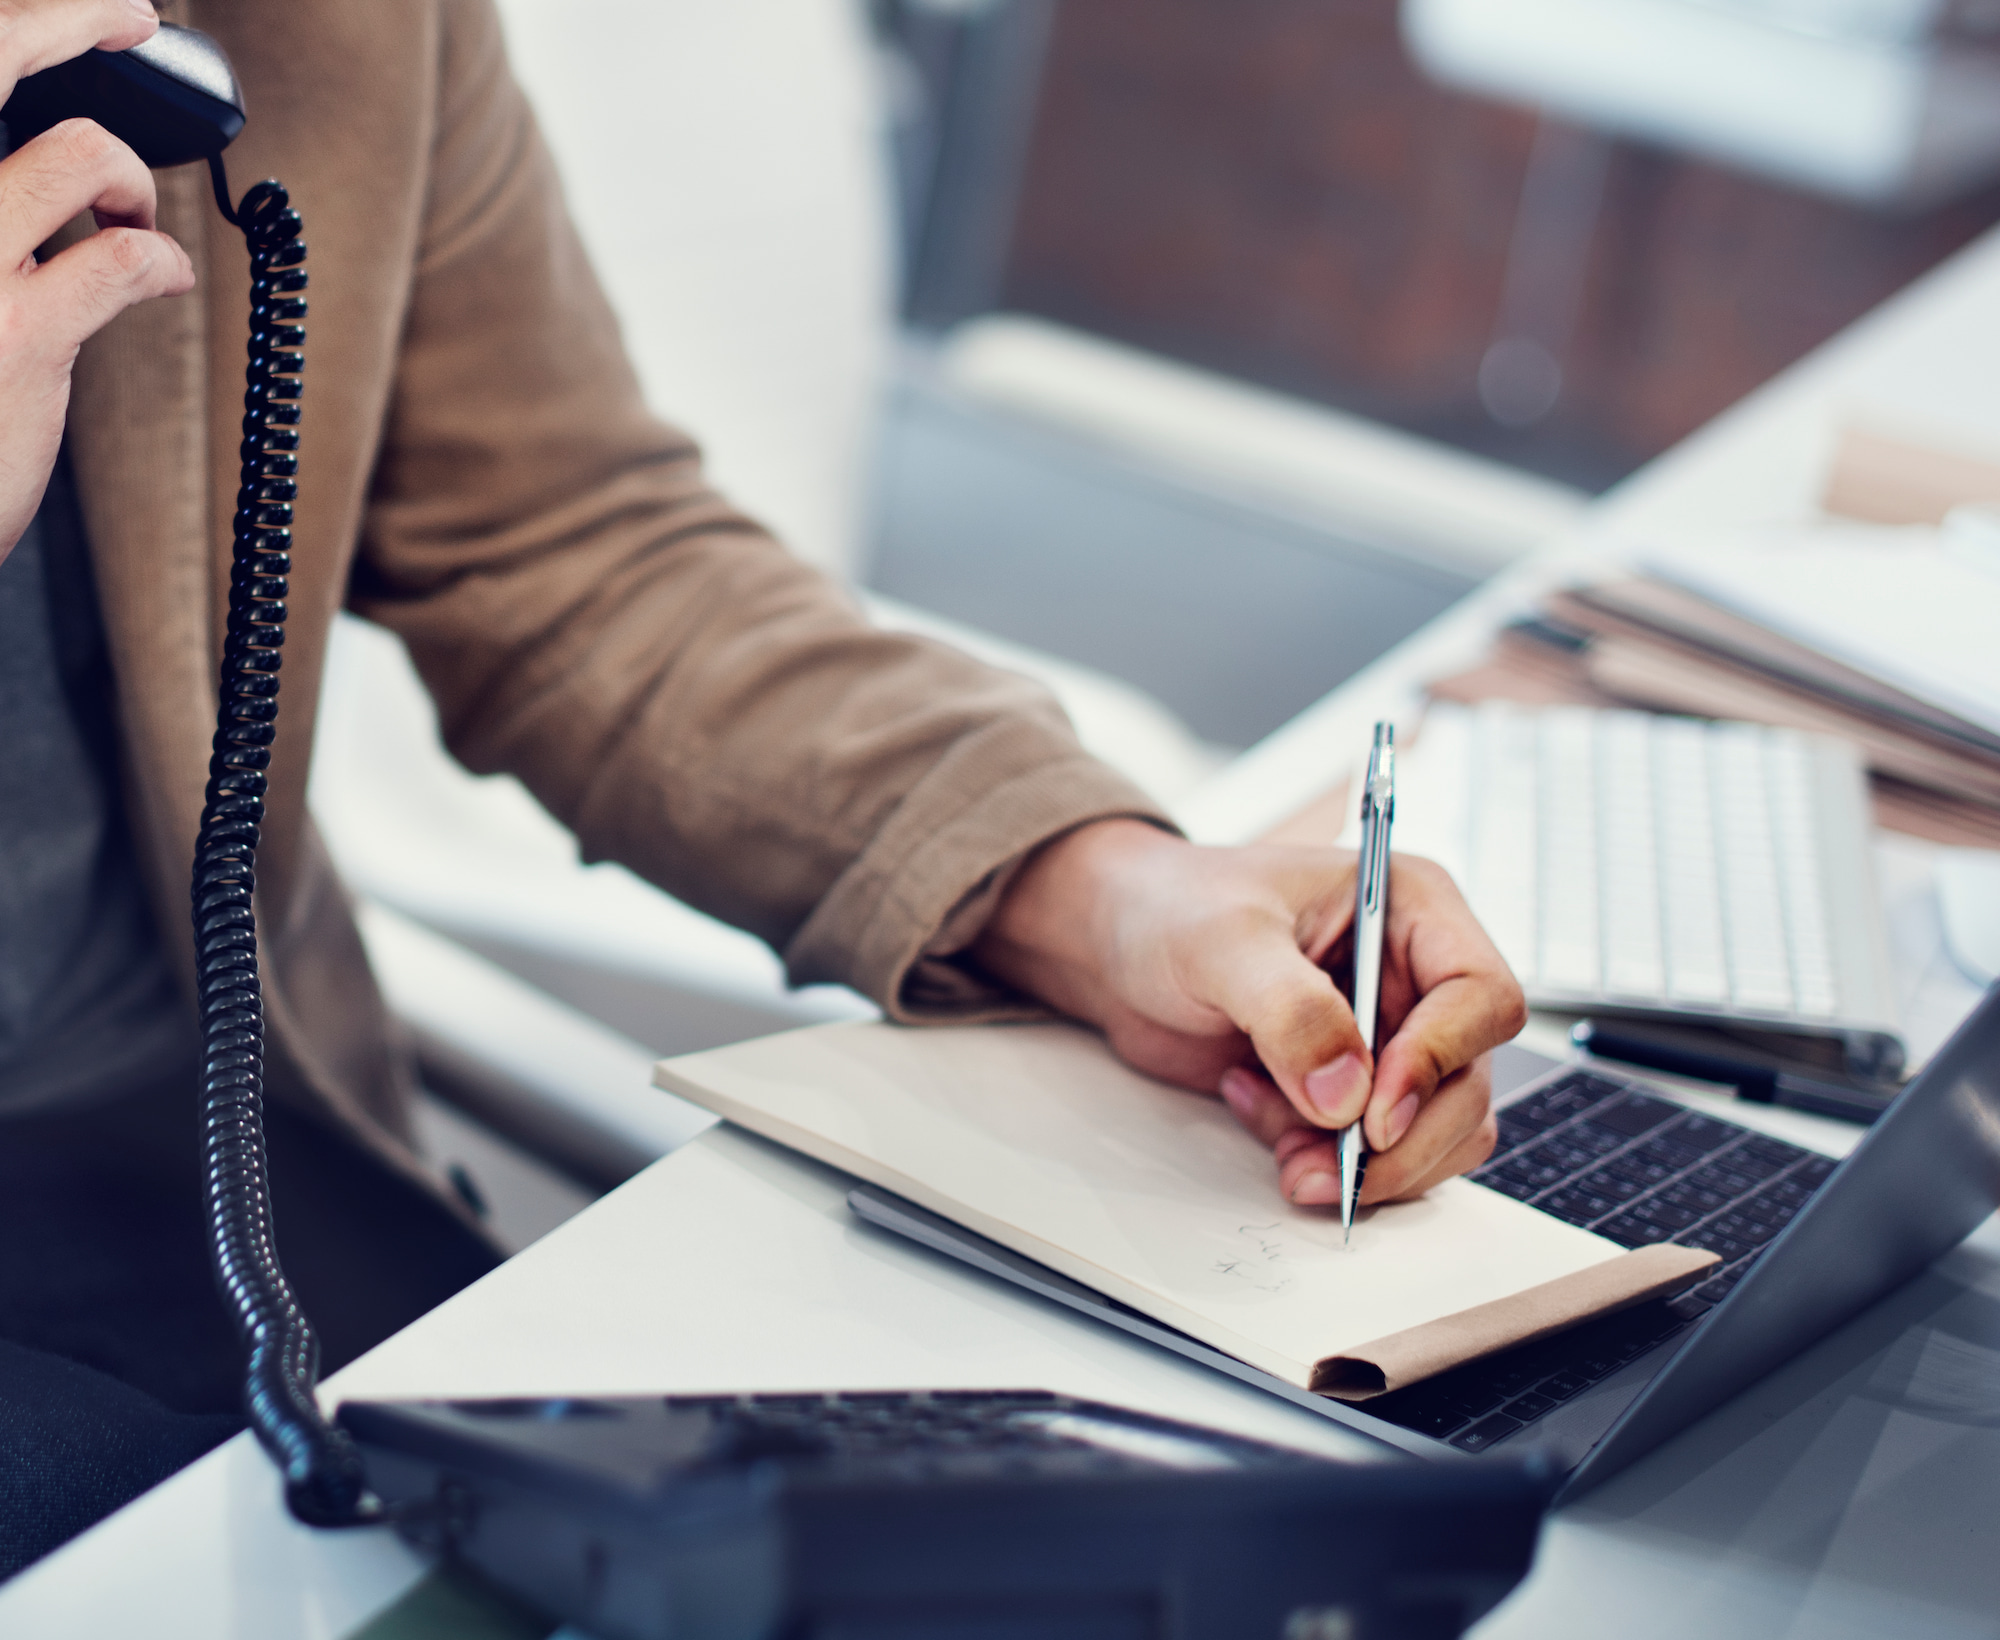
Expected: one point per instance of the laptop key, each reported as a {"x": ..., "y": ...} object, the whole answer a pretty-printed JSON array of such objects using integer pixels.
[
  {"x": 1669, "y": 1215},
  {"x": 1685, "y": 1193},
  {"x": 1777, "y": 1214},
  {"x": 1560, "y": 1386},
  {"x": 1561, "y": 1152},
  {"x": 1726, "y": 1248},
  {"x": 1635, "y": 1114},
  {"x": 1434, "y": 1421},
  {"x": 1577, "y": 1206},
  {"x": 1751, "y": 1164},
  {"x": 1630, "y": 1231},
  {"x": 1613, "y": 1186},
  {"x": 1565, "y": 1098},
  {"x": 1529, "y": 1407},
  {"x": 1512, "y": 1376},
  {"x": 1506, "y": 1186},
  {"x": 1471, "y": 1399},
  {"x": 1530, "y": 1171},
  {"x": 1705, "y": 1133},
  {"x": 1741, "y": 1226},
  {"x": 1654, "y": 1336},
  {"x": 1723, "y": 1179},
  {"x": 1637, "y": 1170},
  {"x": 1594, "y": 1137},
  {"x": 1673, "y": 1156},
  {"x": 1487, "y": 1433},
  {"x": 1720, "y": 1285},
  {"x": 1765, "y": 1148}
]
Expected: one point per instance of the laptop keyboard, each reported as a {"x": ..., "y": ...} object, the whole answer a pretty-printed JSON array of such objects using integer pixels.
[{"x": 1635, "y": 1168}]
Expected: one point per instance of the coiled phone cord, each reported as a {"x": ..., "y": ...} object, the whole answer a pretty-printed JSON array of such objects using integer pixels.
[{"x": 324, "y": 1481}]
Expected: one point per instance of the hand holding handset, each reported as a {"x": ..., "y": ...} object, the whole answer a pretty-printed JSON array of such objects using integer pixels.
[{"x": 173, "y": 99}]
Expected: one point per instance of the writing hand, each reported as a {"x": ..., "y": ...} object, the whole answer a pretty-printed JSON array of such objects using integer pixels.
[{"x": 1209, "y": 968}]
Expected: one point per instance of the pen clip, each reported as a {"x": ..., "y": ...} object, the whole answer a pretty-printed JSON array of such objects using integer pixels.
[{"x": 1378, "y": 809}]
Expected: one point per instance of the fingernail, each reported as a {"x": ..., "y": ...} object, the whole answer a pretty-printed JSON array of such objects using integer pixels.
[
  {"x": 1336, "y": 1090},
  {"x": 1238, "y": 1092},
  {"x": 1402, "y": 1116},
  {"x": 1316, "y": 1190},
  {"x": 1293, "y": 1140},
  {"x": 144, "y": 8}
]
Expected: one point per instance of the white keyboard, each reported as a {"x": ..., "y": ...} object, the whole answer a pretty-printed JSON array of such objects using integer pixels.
[{"x": 1628, "y": 862}]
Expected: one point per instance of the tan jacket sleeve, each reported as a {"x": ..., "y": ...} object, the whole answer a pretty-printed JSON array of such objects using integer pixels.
[{"x": 590, "y": 616}]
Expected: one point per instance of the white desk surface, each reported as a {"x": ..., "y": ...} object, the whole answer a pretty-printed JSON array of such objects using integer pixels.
[{"x": 1852, "y": 1493}]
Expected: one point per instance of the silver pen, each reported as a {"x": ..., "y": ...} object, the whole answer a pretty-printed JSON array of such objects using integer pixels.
[{"x": 1371, "y": 917}]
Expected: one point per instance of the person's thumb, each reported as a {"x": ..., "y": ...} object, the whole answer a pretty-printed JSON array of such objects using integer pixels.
[{"x": 1299, "y": 1023}]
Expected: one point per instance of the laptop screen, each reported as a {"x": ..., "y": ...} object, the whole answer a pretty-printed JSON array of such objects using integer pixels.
[{"x": 1922, "y": 1179}]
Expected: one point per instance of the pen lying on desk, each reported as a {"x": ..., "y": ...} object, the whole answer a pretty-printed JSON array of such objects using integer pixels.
[{"x": 1761, "y": 1084}]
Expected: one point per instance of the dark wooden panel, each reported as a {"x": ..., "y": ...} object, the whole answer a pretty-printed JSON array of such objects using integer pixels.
[{"x": 1270, "y": 188}]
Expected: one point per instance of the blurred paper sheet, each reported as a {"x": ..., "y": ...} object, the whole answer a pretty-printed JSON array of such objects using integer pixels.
[{"x": 1894, "y": 603}]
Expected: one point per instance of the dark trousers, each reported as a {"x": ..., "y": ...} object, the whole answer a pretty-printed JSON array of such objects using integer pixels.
[{"x": 118, "y": 1363}]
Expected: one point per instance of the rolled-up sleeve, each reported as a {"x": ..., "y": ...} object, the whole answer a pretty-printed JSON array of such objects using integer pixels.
[{"x": 694, "y": 702}]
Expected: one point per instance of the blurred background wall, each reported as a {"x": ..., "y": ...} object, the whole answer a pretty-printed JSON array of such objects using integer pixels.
[{"x": 1273, "y": 189}]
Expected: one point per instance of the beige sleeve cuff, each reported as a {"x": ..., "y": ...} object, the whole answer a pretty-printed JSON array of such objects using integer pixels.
[{"x": 895, "y": 923}]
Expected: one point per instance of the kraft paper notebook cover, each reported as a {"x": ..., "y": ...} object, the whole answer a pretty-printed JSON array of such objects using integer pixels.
[{"x": 1036, "y": 1137}]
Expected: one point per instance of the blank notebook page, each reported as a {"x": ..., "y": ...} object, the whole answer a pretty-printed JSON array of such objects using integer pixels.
[{"x": 1038, "y": 1138}]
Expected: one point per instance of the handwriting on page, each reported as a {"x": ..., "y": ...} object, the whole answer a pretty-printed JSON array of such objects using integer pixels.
[{"x": 1261, "y": 1263}]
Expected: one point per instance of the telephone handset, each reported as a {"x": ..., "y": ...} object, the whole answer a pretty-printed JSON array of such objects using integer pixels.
[
  {"x": 171, "y": 100},
  {"x": 174, "y": 100}
]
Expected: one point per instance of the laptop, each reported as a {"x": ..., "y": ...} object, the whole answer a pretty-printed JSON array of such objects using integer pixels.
[{"x": 1805, "y": 1243}]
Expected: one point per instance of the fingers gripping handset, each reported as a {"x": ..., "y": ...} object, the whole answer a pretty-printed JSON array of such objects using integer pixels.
[
  {"x": 57, "y": 169},
  {"x": 93, "y": 93},
  {"x": 171, "y": 97}
]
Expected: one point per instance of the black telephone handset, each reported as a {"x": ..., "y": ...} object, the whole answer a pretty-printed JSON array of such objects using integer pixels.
[{"x": 174, "y": 100}]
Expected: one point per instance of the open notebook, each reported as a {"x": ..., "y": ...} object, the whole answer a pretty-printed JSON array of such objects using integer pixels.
[{"x": 1036, "y": 1137}]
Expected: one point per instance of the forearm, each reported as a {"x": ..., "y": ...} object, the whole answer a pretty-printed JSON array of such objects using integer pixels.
[{"x": 693, "y": 701}]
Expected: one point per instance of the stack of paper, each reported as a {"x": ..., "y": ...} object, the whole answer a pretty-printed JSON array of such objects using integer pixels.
[{"x": 1884, "y": 637}]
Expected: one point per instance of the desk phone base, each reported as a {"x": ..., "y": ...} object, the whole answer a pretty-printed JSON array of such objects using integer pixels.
[{"x": 980, "y": 1515}]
